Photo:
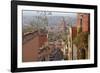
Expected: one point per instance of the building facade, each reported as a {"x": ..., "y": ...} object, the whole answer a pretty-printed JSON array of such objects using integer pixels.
[
  {"x": 32, "y": 42},
  {"x": 83, "y": 29},
  {"x": 83, "y": 22}
]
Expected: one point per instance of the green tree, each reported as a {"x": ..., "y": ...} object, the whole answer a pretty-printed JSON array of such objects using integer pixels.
[{"x": 81, "y": 40}]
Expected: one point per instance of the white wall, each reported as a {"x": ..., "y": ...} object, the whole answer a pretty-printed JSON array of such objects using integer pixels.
[{"x": 5, "y": 36}]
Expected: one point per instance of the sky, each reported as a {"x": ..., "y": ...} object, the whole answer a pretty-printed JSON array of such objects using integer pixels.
[{"x": 34, "y": 13}]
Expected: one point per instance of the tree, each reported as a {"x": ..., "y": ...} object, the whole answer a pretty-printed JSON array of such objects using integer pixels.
[{"x": 81, "y": 40}]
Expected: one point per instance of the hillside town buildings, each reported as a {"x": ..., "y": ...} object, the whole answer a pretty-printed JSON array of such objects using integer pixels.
[{"x": 41, "y": 45}]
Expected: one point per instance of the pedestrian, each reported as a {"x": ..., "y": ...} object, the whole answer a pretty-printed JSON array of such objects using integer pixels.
[{"x": 56, "y": 54}]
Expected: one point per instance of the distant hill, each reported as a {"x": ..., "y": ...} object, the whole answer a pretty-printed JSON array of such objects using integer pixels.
[{"x": 52, "y": 20}]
